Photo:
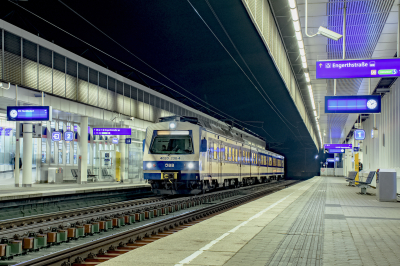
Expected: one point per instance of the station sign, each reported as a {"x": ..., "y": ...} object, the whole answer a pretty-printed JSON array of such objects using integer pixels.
[
  {"x": 29, "y": 113},
  {"x": 56, "y": 136},
  {"x": 356, "y": 149},
  {"x": 349, "y": 69},
  {"x": 359, "y": 134},
  {"x": 338, "y": 146},
  {"x": 330, "y": 160},
  {"x": 336, "y": 150},
  {"x": 128, "y": 141},
  {"x": 69, "y": 136},
  {"x": 360, "y": 104},
  {"x": 115, "y": 140},
  {"x": 112, "y": 131}
]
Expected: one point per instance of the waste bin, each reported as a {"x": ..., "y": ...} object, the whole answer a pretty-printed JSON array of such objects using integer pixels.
[
  {"x": 59, "y": 175},
  {"x": 386, "y": 185},
  {"x": 51, "y": 175}
]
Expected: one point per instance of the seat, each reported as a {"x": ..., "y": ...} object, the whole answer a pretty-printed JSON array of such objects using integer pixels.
[
  {"x": 91, "y": 176},
  {"x": 74, "y": 173},
  {"x": 105, "y": 173},
  {"x": 351, "y": 178},
  {"x": 367, "y": 183}
]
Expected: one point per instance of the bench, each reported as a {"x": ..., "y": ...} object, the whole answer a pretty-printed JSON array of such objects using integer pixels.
[
  {"x": 89, "y": 177},
  {"x": 351, "y": 178},
  {"x": 105, "y": 173},
  {"x": 367, "y": 183}
]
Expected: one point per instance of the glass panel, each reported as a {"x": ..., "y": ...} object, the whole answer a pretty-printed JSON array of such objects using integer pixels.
[
  {"x": 60, "y": 144},
  {"x": 52, "y": 152},
  {"x": 44, "y": 144}
]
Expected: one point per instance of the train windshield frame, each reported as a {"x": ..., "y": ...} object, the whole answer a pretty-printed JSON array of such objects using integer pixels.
[{"x": 172, "y": 142}]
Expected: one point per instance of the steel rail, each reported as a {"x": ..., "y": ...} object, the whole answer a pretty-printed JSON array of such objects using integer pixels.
[{"x": 64, "y": 257}]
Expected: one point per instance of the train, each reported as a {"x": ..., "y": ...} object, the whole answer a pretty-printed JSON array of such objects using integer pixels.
[{"x": 184, "y": 155}]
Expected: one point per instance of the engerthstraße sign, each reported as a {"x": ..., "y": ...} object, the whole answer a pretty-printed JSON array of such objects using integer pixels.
[
  {"x": 112, "y": 131},
  {"x": 369, "y": 68}
]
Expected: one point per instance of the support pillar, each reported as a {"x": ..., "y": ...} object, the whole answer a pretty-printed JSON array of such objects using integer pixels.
[
  {"x": 83, "y": 144},
  {"x": 27, "y": 156},
  {"x": 16, "y": 158},
  {"x": 122, "y": 149}
]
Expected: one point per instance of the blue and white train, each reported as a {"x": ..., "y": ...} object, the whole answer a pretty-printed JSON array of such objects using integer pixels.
[{"x": 183, "y": 155}]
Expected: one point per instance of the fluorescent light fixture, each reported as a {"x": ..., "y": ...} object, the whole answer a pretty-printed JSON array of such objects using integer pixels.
[
  {"x": 295, "y": 15},
  {"x": 315, "y": 113},
  {"x": 296, "y": 25},
  {"x": 303, "y": 59},
  {"x": 298, "y": 35},
  {"x": 301, "y": 44},
  {"x": 292, "y": 3},
  {"x": 302, "y": 52},
  {"x": 309, "y": 87},
  {"x": 305, "y": 65},
  {"x": 307, "y": 75},
  {"x": 307, "y": 79}
]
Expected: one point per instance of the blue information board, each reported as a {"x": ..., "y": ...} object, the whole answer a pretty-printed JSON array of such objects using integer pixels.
[
  {"x": 359, "y": 134},
  {"x": 359, "y": 68},
  {"x": 356, "y": 149},
  {"x": 362, "y": 104},
  {"x": 336, "y": 150},
  {"x": 338, "y": 146},
  {"x": 128, "y": 141},
  {"x": 29, "y": 113},
  {"x": 69, "y": 136}
]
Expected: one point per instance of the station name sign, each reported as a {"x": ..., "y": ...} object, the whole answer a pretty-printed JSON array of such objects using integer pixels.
[
  {"x": 338, "y": 146},
  {"x": 360, "y": 104},
  {"x": 348, "y": 69},
  {"x": 336, "y": 150},
  {"x": 29, "y": 113},
  {"x": 112, "y": 131}
]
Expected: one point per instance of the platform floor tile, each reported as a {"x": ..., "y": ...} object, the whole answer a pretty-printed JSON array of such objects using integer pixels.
[{"x": 321, "y": 221}]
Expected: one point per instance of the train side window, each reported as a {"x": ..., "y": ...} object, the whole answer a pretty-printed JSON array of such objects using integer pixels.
[
  {"x": 237, "y": 155},
  {"x": 240, "y": 155},
  {"x": 229, "y": 154},
  {"x": 210, "y": 150},
  {"x": 215, "y": 151},
  {"x": 226, "y": 153}
]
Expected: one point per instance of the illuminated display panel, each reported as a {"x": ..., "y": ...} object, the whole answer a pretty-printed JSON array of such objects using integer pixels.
[
  {"x": 364, "y": 104},
  {"x": 336, "y": 150},
  {"x": 338, "y": 146},
  {"x": 348, "y": 69},
  {"x": 112, "y": 131},
  {"x": 29, "y": 113}
]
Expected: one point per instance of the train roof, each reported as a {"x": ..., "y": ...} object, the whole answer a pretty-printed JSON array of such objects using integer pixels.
[{"x": 227, "y": 131}]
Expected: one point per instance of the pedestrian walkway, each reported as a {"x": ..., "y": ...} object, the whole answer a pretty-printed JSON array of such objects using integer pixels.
[{"x": 321, "y": 221}]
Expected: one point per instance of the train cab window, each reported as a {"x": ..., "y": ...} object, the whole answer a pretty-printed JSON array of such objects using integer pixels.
[
  {"x": 215, "y": 151},
  {"x": 171, "y": 144}
]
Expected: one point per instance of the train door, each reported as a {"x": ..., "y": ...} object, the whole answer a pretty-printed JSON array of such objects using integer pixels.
[
  {"x": 210, "y": 158},
  {"x": 240, "y": 162},
  {"x": 219, "y": 162}
]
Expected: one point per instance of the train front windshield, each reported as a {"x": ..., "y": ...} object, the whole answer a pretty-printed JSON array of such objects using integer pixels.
[{"x": 171, "y": 144}]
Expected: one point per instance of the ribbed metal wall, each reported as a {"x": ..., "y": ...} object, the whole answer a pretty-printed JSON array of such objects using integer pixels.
[
  {"x": 384, "y": 152},
  {"x": 28, "y": 64},
  {"x": 260, "y": 12}
]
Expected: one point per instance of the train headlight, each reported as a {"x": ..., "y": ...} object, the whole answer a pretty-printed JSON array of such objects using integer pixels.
[
  {"x": 172, "y": 125},
  {"x": 190, "y": 165},
  {"x": 148, "y": 165}
]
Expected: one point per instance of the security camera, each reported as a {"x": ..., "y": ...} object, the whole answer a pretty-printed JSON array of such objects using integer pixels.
[{"x": 330, "y": 34}]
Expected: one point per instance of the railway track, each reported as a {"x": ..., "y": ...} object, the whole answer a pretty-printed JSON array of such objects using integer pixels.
[{"x": 116, "y": 228}]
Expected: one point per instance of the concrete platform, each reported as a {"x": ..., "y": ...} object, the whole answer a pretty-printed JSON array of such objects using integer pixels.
[
  {"x": 317, "y": 222},
  {"x": 10, "y": 192}
]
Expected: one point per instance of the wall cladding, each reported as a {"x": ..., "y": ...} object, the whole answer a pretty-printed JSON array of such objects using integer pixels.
[
  {"x": 260, "y": 12},
  {"x": 26, "y": 63}
]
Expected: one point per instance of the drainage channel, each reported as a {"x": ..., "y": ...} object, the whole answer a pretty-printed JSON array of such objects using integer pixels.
[{"x": 121, "y": 239}]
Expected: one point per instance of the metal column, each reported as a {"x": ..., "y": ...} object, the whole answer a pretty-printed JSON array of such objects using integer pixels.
[
  {"x": 83, "y": 145},
  {"x": 27, "y": 156}
]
